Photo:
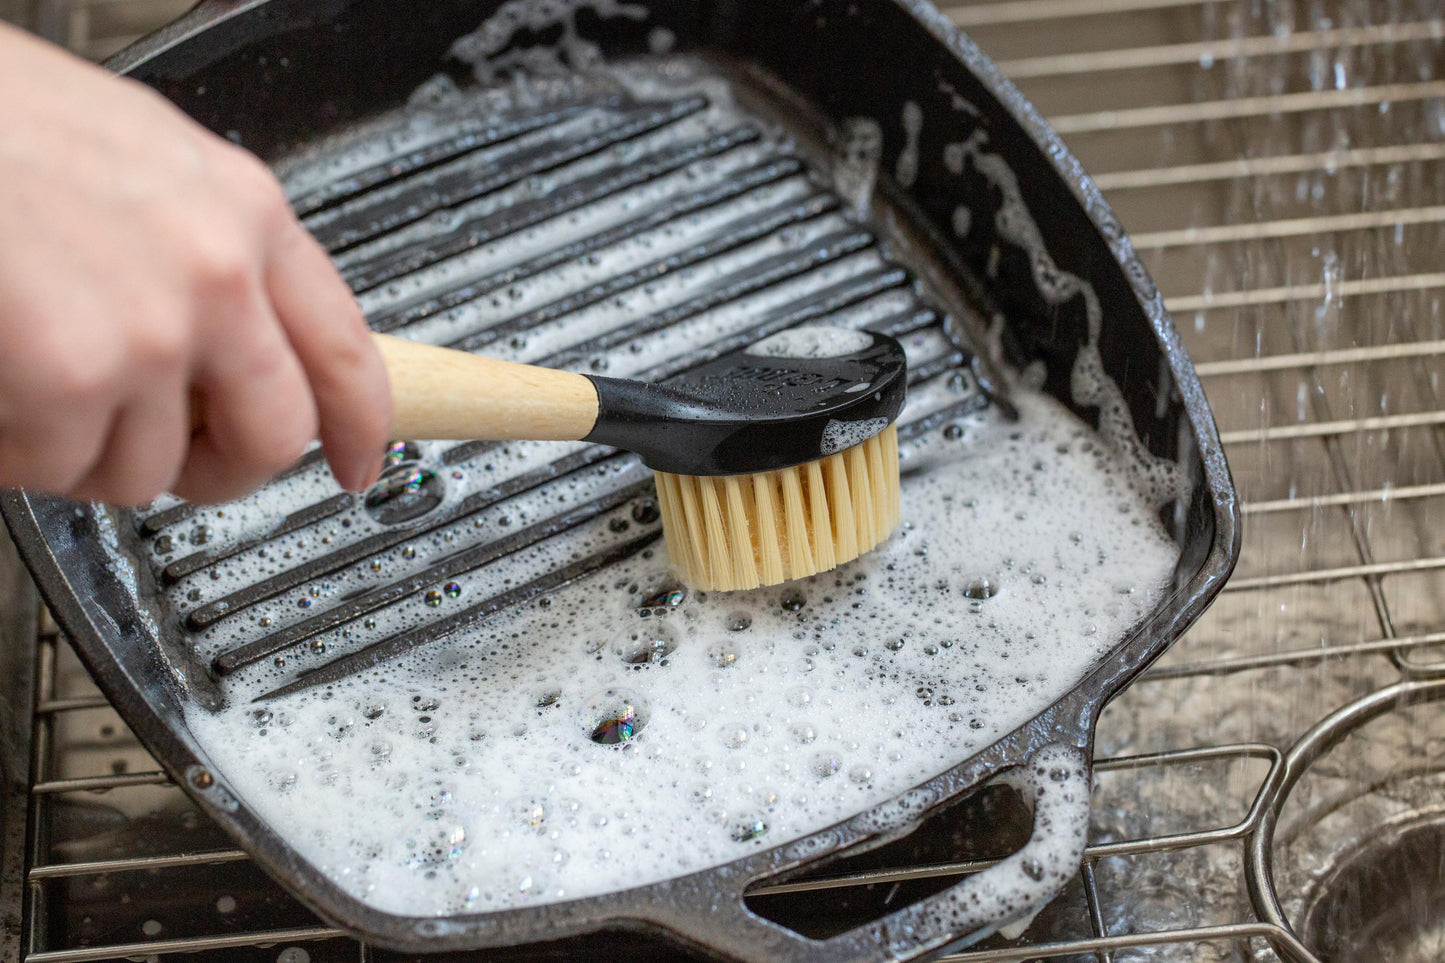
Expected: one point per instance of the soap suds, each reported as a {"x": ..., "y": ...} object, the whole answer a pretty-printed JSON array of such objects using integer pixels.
[
  {"x": 840, "y": 435},
  {"x": 630, "y": 731},
  {"x": 622, "y": 730},
  {"x": 812, "y": 342}
]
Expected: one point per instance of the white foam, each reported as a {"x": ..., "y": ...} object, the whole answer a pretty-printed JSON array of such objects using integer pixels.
[
  {"x": 812, "y": 342},
  {"x": 889, "y": 670},
  {"x": 462, "y": 777},
  {"x": 839, "y": 435}
]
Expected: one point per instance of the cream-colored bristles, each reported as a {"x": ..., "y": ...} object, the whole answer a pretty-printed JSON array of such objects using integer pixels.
[{"x": 730, "y": 532}]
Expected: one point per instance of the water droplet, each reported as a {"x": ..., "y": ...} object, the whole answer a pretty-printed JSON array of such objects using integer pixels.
[{"x": 404, "y": 494}]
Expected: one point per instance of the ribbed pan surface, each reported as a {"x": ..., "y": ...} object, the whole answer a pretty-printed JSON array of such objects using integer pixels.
[{"x": 609, "y": 233}]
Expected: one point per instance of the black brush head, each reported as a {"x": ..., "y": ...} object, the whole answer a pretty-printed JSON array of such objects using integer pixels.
[{"x": 792, "y": 398}]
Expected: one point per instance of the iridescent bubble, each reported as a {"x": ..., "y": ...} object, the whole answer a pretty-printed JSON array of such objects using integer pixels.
[
  {"x": 646, "y": 644},
  {"x": 404, "y": 494},
  {"x": 399, "y": 452},
  {"x": 615, "y": 716},
  {"x": 656, "y": 594}
]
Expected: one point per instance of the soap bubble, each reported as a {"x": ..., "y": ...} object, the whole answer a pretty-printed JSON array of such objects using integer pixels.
[{"x": 646, "y": 644}]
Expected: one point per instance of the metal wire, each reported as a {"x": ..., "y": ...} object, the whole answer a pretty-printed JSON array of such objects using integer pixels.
[{"x": 1355, "y": 490}]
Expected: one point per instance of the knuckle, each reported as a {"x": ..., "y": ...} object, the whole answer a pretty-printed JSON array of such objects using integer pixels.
[
  {"x": 162, "y": 346},
  {"x": 74, "y": 377},
  {"x": 221, "y": 267}
]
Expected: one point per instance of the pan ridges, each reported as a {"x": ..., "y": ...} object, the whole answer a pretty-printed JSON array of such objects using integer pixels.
[{"x": 639, "y": 239}]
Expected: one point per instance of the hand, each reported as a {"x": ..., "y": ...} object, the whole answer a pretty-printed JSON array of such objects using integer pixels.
[{"x": 152, "y": 273}]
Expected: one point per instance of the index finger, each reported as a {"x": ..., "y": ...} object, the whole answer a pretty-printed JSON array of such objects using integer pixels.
[{"x": 329, "y": 335}]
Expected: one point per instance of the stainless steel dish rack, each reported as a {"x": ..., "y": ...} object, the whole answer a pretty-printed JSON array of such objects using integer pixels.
[{"x": 1272, "y": 788}]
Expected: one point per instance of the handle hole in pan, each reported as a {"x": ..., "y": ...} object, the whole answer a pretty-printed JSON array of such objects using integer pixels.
[{"x": 954, "y": 841}]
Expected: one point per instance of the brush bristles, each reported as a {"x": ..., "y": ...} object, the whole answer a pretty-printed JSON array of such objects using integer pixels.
[{"x": 730, "y": 532}]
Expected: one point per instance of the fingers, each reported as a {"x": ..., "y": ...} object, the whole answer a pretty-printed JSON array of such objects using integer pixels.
[
  {"x": 52, "y": 447},
  {"x": 329, "y": 335},
  {"x": 143, "y": 455},
  {"x": 259, "y": 413}
]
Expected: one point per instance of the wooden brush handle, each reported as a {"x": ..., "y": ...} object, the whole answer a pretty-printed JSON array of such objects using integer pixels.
[{"x": 444, "y": 393}]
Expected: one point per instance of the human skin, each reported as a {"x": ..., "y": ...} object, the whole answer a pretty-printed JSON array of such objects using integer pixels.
[{"x": 166, "y": 324}]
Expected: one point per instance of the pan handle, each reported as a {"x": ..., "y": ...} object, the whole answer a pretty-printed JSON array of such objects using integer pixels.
[{"x": 1054, "y": 781}]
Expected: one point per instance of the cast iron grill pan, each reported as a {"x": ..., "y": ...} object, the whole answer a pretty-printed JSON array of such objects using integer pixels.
[{"x": 223, "y": 64}]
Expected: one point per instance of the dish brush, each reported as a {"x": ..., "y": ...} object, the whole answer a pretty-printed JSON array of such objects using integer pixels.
[{"x": 774, "y": 462}]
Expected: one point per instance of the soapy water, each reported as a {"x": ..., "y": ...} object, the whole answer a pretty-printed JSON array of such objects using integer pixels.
[
  {"x": 630, "y": 730},
  {"x": 623, "y": 730},
  {"x": 811, "y": 342}
]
